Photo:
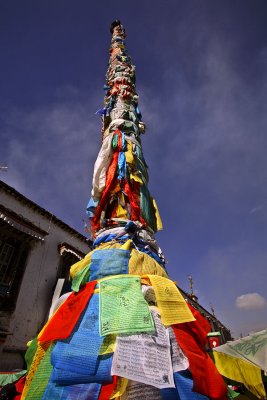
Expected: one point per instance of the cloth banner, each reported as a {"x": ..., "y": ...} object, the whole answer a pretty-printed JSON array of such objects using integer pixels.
[
  {"x": 169, "y": 394},
  {"x": 172, "y": 305},
  {"x": 38, "y": 356},
  {"x": 79, "y": 359},
  {"x": 62, "y": 323},
  {"x": 192, "y": 337},
  {"x": 80, "y": 355},
  {"x": 19, "y": 385},
  {"x": 140, "y": 391},
  {"x": 184, "y": 384},
  {"x": 41, "y": 378},
  {"x": 179, "y": 360},
  {"x": 123, "y": 308},
  {"x": 80, "y": 271},
  {"x": 29, "y": 355},
  {"x": 78, "y": 392},
  {"x": 107, "y": 389},
  {"x": 252, "y": 348},
  {"x": 80, "y": 265},
  {"x": 240, "y": 371},
  {"x": 145, "y": 358},
  {"x": 101, "y": 166},
  {"x": 142, "y": 264},
  {"x": 108, "y": 345},
  {"x": 109, "y": 262},
  {"x": 102, "y": 374},
  {"x": 120, "y": 388},
  {"x": 10, "y": 377},
  {"x": 80, "y": 278}
]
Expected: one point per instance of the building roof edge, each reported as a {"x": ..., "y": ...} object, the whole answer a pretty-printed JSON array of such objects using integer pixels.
[{"x": 41, "y": 210}]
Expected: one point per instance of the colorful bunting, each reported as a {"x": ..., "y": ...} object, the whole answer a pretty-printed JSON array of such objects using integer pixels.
[{"x": 125, "y": 331}]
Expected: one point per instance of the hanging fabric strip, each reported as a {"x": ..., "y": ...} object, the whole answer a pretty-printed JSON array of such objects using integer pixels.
[
  {"x": 41, "y": 377},
  {"x": 82, "y": 391},
  {"x": 184, "y": 384},
  {"x": 192, "y": 337},
  {"x": 241, "y": 371},
  {"x": 123, "y": 308},
  {"x": 109, "y": 262},
  {"x": 145, "y": 358},
  {"x": 65, "y": 318},
  {"x": 78, "y": 361},
  {"x": 171, "y": 303}
]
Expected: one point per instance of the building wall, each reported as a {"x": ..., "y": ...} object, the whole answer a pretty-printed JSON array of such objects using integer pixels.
[{"x": 42, "y": 269}]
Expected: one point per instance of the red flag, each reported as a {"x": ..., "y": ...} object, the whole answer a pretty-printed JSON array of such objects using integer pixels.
[
  {"x": 107, "y": 390},
  {"x": 65, "y": 318},
  {"x": 192, "y": 337},
  {"x": 19, "y": 387}
]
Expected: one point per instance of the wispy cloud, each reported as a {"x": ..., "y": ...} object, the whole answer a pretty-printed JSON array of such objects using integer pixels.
[
  {"x": 257, "y": 208},
  {"x": 51, "y": 150}
]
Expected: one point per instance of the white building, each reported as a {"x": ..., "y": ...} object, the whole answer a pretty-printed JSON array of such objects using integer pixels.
[{"x": 36, "y": 249}]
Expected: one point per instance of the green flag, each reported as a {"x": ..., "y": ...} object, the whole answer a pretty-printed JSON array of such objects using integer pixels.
[{"x": 123, "y": 308}]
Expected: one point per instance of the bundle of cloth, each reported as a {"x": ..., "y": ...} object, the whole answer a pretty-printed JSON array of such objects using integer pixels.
[
  {"x": 124, "y": 332},
  {"x": 120, "y": 179}
]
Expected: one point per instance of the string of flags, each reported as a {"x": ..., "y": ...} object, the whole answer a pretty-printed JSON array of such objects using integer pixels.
[{"x": 125, "y": 332}]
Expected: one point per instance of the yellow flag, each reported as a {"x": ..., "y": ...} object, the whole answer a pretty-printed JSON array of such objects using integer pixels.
[
  {"x": 141, "y": 264},
  {"x": 136, "y": 178},
  {"x": 120, "y": 387},
  {"x": 129, "y": 153},
  {"x": 108, "y": 345},
  {"x": 120, "y": 211},
  {"x": 126, "y": 245},
  {"x": 240, "y": 371},
  {"x": 172, "y": 305},
  {"x": 158, "y": 218},
  {"x": 78, "y": 266}
]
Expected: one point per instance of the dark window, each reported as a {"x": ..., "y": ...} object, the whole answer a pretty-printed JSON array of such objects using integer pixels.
[
  {"x": 13, "y": 255},
  {"x": 7, "y": 273},
  {"x": 66, "y": 261}
]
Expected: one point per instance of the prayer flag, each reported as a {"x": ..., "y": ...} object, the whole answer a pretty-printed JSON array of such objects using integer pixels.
[
  {"x": 241, "y": 371},
  {"x": 109, "y": 262},
  {"x": 123, "y": 308},
  {"x": 145, "y": 358},
  {"x": 62, "y": 323},
  {"x": 192, "y": 337},
  {"x": 172, "y": 305}
]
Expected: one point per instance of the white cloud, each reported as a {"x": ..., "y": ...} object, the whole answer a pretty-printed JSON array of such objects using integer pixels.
[{"x": 250, "y": 301}]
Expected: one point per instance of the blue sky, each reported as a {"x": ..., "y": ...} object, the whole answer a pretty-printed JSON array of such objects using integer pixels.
[{"x": 202, "y": 79}]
